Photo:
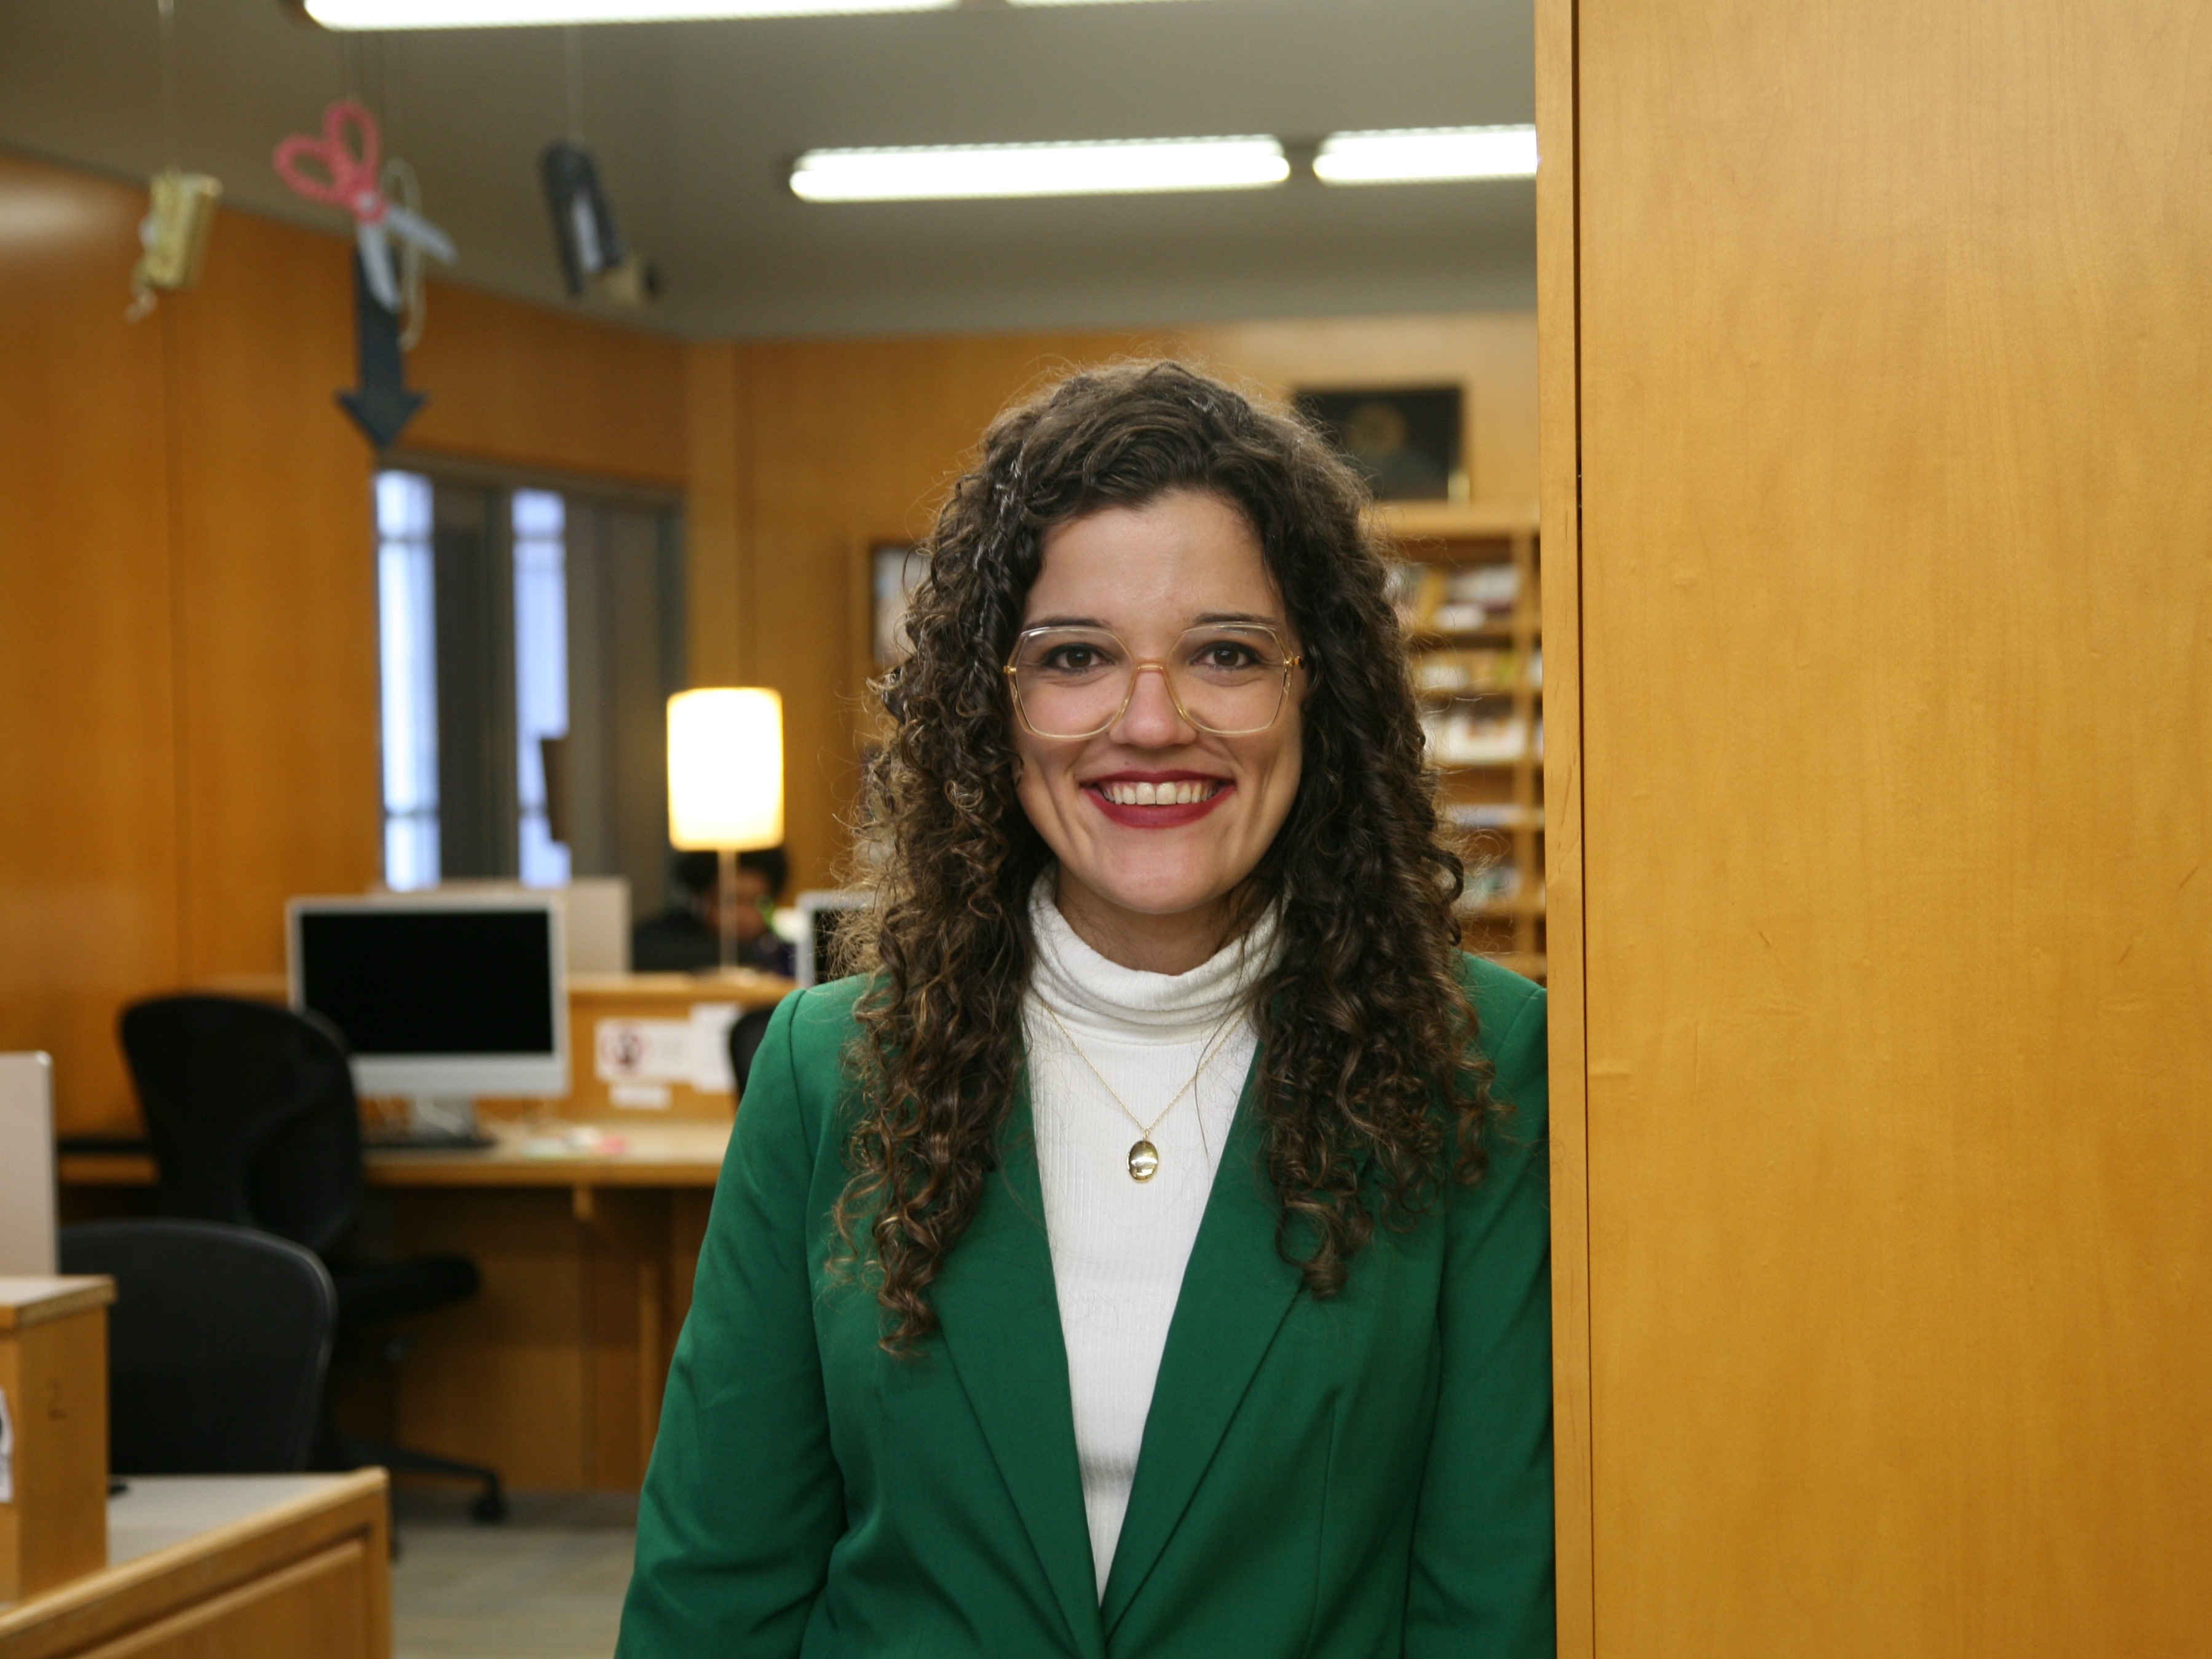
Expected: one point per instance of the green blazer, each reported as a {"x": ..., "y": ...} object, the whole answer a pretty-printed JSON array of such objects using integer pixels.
[{"x": 1363, "y": 1476}]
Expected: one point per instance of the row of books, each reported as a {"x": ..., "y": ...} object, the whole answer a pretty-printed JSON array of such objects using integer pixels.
[
  {"x": 1474, "y": 816},
  {"x": 1470, "y": 599},
  {"x": 1476, "y": 673},
  {"x": 1489, "y": 885}
]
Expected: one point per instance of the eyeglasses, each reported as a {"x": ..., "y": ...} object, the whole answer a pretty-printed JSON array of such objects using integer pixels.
[{"x": 1229, "y": 680}]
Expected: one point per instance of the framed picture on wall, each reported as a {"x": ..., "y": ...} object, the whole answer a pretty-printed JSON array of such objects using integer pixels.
[
  {"x": 1409, "y": 441},
  {"x": 895, "y": 569}
]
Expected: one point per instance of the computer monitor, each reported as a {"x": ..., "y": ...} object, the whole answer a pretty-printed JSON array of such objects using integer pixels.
[
  {"x": 821, "y": 914},
  {"x": 595, "y": 925},
  {"x": 439, "y": 995}
]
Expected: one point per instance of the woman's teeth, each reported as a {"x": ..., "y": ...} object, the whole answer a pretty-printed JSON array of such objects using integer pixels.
[{"x": 1161, "y": 794}]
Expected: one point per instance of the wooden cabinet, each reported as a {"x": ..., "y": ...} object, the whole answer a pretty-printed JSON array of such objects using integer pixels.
[
  {"x": 1876, "y": 406},
  {"x": 225, "y": 1567},
  {"x": 53, "y": 1430}
]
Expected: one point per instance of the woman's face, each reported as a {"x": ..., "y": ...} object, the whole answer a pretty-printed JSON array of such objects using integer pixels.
[{"x": 1149, "y": 574}]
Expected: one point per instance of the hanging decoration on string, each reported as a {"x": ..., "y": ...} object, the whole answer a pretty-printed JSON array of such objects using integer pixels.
[
  {"x": 387, "y": 284},
  {"x": 585, "y": 235},
  {"x": 172, "y": 237}
]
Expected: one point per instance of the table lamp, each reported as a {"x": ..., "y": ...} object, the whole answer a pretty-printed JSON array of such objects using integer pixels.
[{"x": 726, "y": 782}]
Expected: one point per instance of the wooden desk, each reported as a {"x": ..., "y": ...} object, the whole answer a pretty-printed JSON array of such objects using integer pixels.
[
  {"x": 225, "y": 1567},
  {"x": 593, "y": 1000},
  {"x": 554, "y": 1374},
  {"x": 673, "y": 1154}
]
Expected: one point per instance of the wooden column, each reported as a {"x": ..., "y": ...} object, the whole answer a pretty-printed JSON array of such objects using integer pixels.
[{"x": 1879, "y": 598}]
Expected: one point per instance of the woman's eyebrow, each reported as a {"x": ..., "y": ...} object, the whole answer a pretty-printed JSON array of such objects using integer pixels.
[{"x": 1210, "y": 619}]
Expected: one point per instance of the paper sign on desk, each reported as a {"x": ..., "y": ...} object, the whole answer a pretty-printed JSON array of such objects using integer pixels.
[
  {"x": 710, "y": 1047},
  {"x": 643, "y": 1050}
]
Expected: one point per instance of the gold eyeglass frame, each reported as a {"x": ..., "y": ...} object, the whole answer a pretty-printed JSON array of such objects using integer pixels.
[{"x": 1291, "y": 661}]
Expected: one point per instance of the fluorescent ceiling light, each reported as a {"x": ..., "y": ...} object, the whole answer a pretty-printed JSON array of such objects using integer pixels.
[
  {"x": 501, "y": 14},
  {"x": 1416, "y": 154},
  {"x": 1113, "y": 167}
]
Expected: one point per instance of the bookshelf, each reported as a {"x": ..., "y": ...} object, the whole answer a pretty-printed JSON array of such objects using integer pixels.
[{"x": 1468, "y": 583}]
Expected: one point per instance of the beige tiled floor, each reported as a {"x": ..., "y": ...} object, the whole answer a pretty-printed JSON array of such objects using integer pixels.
[{"x": 545, "y": 1583}]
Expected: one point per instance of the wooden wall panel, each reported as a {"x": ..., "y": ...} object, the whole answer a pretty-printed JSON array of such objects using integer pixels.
[
  {"x": 1896, "y": 553},
  {"x": 1491, "y": 353},
  {"x": 276, "y": 596},
  {"x": 714, "y": 510},
  {"x": 525, "y": 387},
  {"x": 88, "y": 794}
]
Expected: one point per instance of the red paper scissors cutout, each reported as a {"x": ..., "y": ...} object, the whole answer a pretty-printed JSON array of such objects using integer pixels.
[
  {"x": 349, "y": 169},
  {"x": 349, "y": 150}
]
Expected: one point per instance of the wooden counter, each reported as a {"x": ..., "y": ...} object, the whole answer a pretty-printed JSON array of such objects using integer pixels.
[{"x": 289, "y": 1566}]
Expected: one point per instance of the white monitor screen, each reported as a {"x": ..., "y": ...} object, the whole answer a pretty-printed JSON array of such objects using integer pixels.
[
  {"x": 821, "y": 914},
  {"x": 459, "y": 995}
]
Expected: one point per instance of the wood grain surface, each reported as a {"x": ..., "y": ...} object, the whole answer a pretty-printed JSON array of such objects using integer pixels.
[
  {"x": 1559, "y": 453},
  {"x": 1891, "y": 403},
  {"x": 89, "y": 855},
  {"x": 309, "y": 1575}
]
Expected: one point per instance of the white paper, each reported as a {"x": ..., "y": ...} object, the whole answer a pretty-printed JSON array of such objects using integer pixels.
[
  {"x": 640, "y": 1096},
  {"x": 7, "y": 1452},
  {"x": 710, "y": 1047},
  {"x": 643, "y": 1050}
]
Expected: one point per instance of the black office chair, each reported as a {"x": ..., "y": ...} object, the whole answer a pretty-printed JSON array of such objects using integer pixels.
[
  {"x": 746, "y": 1031},
  {"x": 254, "y": 1123},
  {"x": 217, "y": 1345}
]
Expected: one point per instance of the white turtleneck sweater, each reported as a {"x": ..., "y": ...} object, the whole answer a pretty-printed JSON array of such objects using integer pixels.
[{"x": 1119, "y": 1246}]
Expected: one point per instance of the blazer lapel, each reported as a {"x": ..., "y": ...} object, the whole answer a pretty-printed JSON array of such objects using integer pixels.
[
  {"x": 1236, "y": 1292},
  {"x": 1000, "y": 1323}
]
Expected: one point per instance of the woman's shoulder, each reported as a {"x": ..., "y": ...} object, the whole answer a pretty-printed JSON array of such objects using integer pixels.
[
  {"x": 1509, "y": 1029},
  {"x": 1501, "y": 997},
  {"x": 821, "y": 1021}
]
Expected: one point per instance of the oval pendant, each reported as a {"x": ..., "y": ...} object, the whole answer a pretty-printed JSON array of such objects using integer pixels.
[{"x": 1144, "y": 1161}]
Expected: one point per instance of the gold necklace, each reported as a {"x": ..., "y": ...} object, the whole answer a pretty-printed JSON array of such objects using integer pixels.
[{"x": 1144, "y": 1157}]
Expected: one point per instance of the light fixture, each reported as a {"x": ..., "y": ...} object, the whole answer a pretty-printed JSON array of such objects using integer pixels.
[
  {"x": 512, "y": 13},
  {"x": 1106, "y": 167},
  {"x": 726, "y": 781},
  {"x": 1419, "y": 155}
]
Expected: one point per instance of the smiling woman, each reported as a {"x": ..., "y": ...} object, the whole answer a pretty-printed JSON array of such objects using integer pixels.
[{"x": 1148, "y": 1254}]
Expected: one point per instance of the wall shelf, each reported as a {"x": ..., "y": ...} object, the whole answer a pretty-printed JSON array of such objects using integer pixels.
[{"x": 1483, "y": 558}]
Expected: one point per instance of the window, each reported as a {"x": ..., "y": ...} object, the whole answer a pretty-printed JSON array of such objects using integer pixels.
[
  {"x": 541, "y": 672},
  {"x": 407, "y": 633},
  {"x": 523, "y": 627}
]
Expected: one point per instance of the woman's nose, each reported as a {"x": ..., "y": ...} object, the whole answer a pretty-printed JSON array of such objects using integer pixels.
[{"x": 1151, "y": 721}]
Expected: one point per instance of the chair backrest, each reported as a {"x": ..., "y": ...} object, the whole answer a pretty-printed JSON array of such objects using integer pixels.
[
  {"x": 217, "y": 1345},
  {"x": 746, "y": 1031},
  {"x": 251, "y": 1112}
]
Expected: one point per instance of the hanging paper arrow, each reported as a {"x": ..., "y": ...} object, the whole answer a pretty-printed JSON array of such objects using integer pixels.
[{"x": 382, "y": 405}]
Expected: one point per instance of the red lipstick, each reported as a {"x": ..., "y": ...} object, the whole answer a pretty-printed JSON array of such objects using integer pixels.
[{"x": 1156, "y": 816}]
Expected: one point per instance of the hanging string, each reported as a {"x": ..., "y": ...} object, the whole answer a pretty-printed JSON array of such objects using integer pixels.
[
  {"x": 170, "y": 150},
  {"x": 573, "y": 44},
  {"x": 397, "y": 181}
]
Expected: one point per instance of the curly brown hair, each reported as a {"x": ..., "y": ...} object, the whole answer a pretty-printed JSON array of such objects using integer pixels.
[{"x": 1369, "y": 1087}]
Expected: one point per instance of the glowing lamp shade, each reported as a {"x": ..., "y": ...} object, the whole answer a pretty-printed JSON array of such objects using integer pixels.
[{"x": 725, "y": 769}]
